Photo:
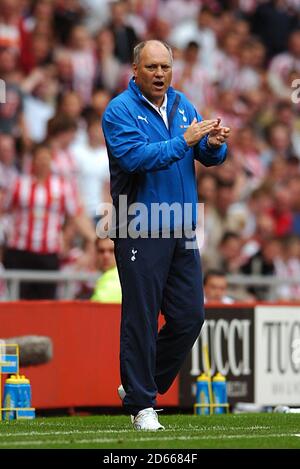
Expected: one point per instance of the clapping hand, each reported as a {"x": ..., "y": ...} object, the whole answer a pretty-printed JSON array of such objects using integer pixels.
[
  {"x": 197, "y": 130},
  {"x": 218, "y": 135}
]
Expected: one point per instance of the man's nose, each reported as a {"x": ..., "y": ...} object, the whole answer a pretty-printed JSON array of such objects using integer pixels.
[{"x": 159, "y": 72}]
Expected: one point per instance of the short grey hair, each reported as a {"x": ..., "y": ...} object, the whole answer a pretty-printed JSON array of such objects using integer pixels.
[{"x": 139, "y": 47}]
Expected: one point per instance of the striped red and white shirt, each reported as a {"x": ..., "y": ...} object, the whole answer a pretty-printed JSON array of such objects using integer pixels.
[
  {"x": 38, "y": 211},
  {"x": 64, "y": 164}
]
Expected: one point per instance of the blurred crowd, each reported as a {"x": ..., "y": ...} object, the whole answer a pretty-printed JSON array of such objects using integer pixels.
[{"x": 63, "y": 60}]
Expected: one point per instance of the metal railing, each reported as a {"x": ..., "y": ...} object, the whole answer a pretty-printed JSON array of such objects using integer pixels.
[
  {"x": 269, "y": 281},
  {"x": 15, "y": 277}
]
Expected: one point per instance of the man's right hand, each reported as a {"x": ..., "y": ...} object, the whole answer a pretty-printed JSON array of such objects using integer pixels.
[{"x": 197, "y": 130}]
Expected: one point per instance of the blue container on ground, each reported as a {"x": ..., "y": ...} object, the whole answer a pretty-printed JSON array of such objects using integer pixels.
[
  {"x": 219, "y": 391},
  {"x": 202, "y": 395},
  {"x": 10, "y": 398},
  {"x": 17, "y": 395},
  {"x": 24, "y": 392}
]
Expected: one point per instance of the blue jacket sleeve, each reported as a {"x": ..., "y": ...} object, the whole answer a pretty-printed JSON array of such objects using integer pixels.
[
  {"x": 131, "y": 148},
  {"x": 206, "y": 155}
]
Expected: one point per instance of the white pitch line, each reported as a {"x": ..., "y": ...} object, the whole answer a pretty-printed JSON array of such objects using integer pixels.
[
  {"x": 187, "y": 429},
  {"x": 154, "y": 438}
]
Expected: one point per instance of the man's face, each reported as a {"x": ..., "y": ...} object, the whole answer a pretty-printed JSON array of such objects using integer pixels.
[
  {"x": 7, "y": 149},
  {"x": 215, "y": 288},
  {"x": 41, "y": 165},
  {"x": 105, "y": 254},
  {"x": 153, "y": 73}
]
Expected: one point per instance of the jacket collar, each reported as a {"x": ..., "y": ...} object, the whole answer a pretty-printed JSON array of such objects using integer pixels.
[{"x": 135, "y": 90}]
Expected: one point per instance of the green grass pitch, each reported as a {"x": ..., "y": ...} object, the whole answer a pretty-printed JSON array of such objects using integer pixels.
[{"x": 182, "y": 431}]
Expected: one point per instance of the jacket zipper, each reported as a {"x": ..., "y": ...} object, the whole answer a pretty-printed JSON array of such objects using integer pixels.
[{"x": 176, "y": 162}]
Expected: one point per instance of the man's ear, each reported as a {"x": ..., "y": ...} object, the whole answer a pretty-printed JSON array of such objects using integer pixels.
[{"x": 134, "y": 69}]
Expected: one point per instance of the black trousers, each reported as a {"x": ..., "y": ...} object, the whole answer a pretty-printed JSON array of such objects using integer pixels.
[
  {"x": 26, "y": 260},
  {"x": 156, "y": 275}
]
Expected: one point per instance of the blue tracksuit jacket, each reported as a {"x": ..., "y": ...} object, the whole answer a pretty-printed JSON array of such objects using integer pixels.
[{"x": 148, "y": 162}]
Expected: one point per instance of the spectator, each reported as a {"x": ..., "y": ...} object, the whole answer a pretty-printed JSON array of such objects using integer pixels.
[
  {"x": 74, "y": 257},
  {"x": 39, "y": 203},
  {"x": 282, "y": 65},
  {"x": 67, "y": 14},
  {"x": 259, "y": 202},
  {"x": 227, "y": 60},
  {"x": 249, "y": 74},
  {"x": 70, "y": 105},
  {"x": 99, "y": 100},
  {"x": 217, "y": 222},
  {"x": 247, "y": 157},
  {"x": 108, "y": 67},
  {"x": 281, "y": 211},
  {"x": 40, "y": 91},
  {"x": 272, "y": 22},
  {"x": 64, "y": 70},
  {"x": 288, "y": 266},
  {"x": 82, "y": 53},
  {"x": 96, "y": 14},
  {"x": 180, "y": 11},
  {"x": 199, "y": 29},
  {"x": 190, "y": 78},
  {"x": 265, "y": 227},
  {"x": 159, "y": 29},
  {"x": 207, "y": 189},
  {"x": 39, "y": 51},
  {"x": 8, "y": 161},
  {"x": 60, "y": 134},
  {"x": 263, "y": 263},
  {"x": 277, "y": 173},
  {"x": 230, "y": 108},
  {"x": 92, "y": 169},
  {"x": 215, "y": 287},
  {"x": 124, "y": 35},
  {"x": 108, "y": 288},
  {"x": 8, "y": 176},
  {"x": 12, "y": 28},
  {"x": 41, "y": 14},
  {"x": 231, "y": 257},
  {"x": 136, "y": 19},
  {"x": 279, "y": 140},
  {"x": 11, "y": 112}
]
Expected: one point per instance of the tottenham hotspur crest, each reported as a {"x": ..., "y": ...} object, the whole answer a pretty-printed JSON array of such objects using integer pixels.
[
  {"x": 134, "y": 251},
  {"x": 181, "y": 111}
]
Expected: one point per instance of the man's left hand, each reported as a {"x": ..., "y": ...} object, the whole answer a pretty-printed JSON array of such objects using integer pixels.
[{"x": 218, "y": 136}]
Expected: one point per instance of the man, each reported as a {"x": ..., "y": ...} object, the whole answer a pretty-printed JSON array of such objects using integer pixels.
[
  {"x": 153, "y": 134},
  {"x": 215, "y": 287},
  {"x": 263, "y": 262},
  {"x": 92, "y": 168},
  {"x": 124, "y": 35},
  {"x": 38, "y": 204},
  {"x": 108, "y": 288}
]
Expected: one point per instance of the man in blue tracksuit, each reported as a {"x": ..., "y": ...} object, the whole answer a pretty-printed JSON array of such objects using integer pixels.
[{"x": 153, "y": 135}]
